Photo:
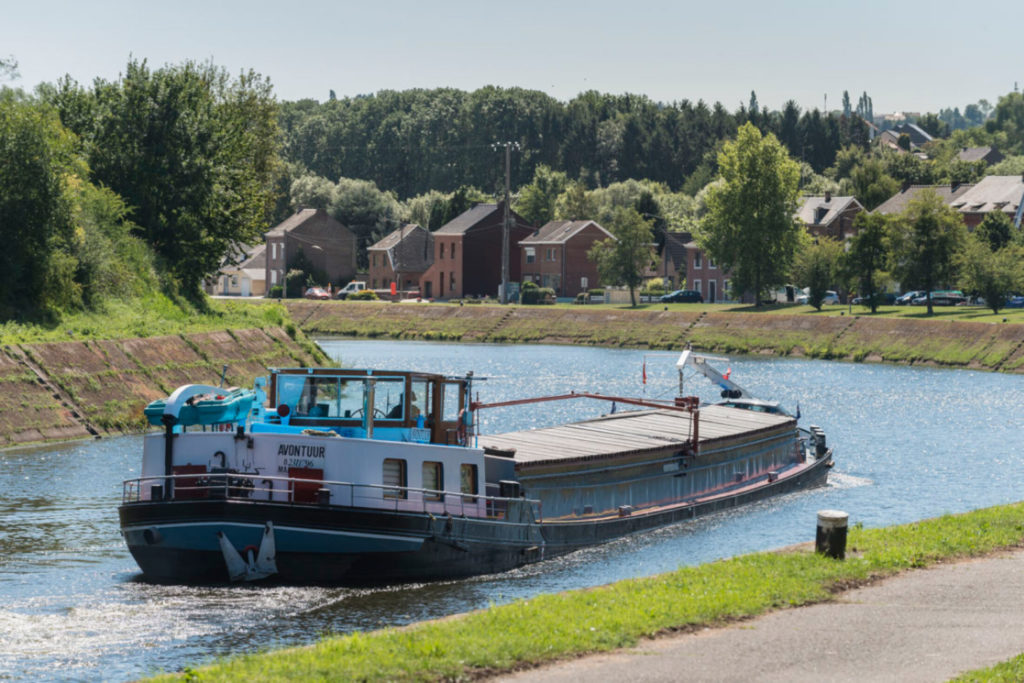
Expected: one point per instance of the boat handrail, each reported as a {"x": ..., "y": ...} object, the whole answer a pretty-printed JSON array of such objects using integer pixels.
[{"x": 240, "y": 486}]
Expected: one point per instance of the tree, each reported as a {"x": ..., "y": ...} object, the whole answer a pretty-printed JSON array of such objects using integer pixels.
[
  {"x": 8, "y": 68},
  {"x": 574, "y": 204},
  {"x": 750, "y": 226},
  {"x": 995, "y": 230},
  {"x": 817, "y": 266},
  {"x": 847, "y": 107},
  {"x": 867, "y": 256},
  {"x": 194, "y": 153},
  {"x": 622, "y": 260},
  {"x": 871, "y": 185},
  {"x": 364, "y": 209},
  {"x": 926, "y": 237},
  {"x": 537, "y": 200},
  {"x": 311, "y": 191},
  {"x": 990, "y": 273}
]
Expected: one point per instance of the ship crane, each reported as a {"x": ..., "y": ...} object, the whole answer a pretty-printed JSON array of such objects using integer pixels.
[{"x": 699, "y": 363}]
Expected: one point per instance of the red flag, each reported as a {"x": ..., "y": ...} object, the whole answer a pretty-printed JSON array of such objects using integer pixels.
[
  {"x": 727, "y": 373},
  {"x": 644, "y": 371}
]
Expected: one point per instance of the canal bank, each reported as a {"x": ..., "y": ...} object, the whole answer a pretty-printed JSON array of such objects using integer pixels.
[
  {"x": 935, "y": 342},
  {"x": 79, "y": 389}
]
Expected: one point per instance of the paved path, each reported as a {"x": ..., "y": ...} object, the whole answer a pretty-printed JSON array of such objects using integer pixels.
[{"x": 925, "y": 625}]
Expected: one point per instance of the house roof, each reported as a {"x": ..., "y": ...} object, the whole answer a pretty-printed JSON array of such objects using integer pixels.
[
  {"x": 410, "y": 248},
  {"x": 467, "y": 219},
  {"x": 824, "y": 210},
  {"x": 293, "y": 221},
  {"x": 918, "y": 135},
  {"x": 560, "y": 232},
  {"x": 992, "y": 193},
  {"x": 973, "y": 153},
  {"x": 898, "y": 202},
  {"x": 244, "y": 256}
]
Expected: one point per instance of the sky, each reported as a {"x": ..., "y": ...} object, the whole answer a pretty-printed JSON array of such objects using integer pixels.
[{"x": 918, "y": 58}]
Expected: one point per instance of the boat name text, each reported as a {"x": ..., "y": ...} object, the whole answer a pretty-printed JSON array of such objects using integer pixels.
[{"x": 300, "y": 451}]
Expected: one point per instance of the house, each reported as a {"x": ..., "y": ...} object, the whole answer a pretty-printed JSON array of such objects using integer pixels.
[
  {"x": 329, "y": 246},
  {"x": 829, "y": 216},
  {"x": 899, "y": 201},
  {"x": 242, "y": 272},
  {"x": 989, "y": 155},
  {"x": 402, "y": 257},
  {"x": 704, "y": 275},
  {"x": 1002, "y": 193},
  {"x": 918, "y": 136},
  {"x": 555, "y": 256},
  {"x": 468, "y": 251},
  {"x": 674, "y": 258}
]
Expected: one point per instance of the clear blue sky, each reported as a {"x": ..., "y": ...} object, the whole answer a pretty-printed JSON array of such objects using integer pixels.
[{"x": 907, "y": 57}]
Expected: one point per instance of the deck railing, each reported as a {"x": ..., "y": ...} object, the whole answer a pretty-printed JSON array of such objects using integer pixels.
[{"x": 314, "y": 492}]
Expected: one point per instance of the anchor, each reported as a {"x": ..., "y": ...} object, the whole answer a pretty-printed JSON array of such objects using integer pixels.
[{"x": 257, "y": 564}]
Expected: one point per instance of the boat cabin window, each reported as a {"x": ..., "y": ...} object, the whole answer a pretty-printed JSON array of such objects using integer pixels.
[
  {"x": 395, "y": 475},
  {"x": 420, "y": 401},
  {"x": 467, "y": 481},
  {"x": 315, "y": 396},
  {"x": 433, "y": 480},
  {"x": 451, "y": 405},
  {"x": 389, "y": 398}
]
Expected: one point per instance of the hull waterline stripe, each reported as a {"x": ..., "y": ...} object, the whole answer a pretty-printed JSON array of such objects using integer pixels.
[{"x": 303, "y": 530}]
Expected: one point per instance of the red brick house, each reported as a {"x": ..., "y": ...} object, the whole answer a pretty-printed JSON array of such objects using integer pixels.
[
  {"x": 555, "y": 256},
  {"x": 467, "y": 253},
  {"x": 328, "y": 245},
  {"x": 704, "y": 275},
  {"x": 402, "y": 257},
  {"x": 829, "y": 216},
  {"x": 1002, "y": 193}
]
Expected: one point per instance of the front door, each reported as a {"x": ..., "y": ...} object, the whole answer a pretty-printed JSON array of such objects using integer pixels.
[{"x": 712, "y": 286}]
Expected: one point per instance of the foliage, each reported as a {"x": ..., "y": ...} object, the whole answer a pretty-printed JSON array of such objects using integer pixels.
[
  {"x": 191, "y": 151},
  {"x": 363, "y": 295},
  {"x": 36, "y": 226},
  {"x": 365, "y": 210},
  {"x": 990, "y": 273},
  {"x": 817, "y": 267},
  {"x": 996, "y": 230},
  {"x": 574, "y": 203},
  {"x": 867, "y": 256},
  {"x": 1011, "y": 165},
  {"x": 871, "y": 184},
  {"x": 925, "y": 238},
  {"x": 622, "y": 260},
  {"x": 537, "y": 200},
  {"x": 295, "y": 281},
  {"x": 311, "y": 275},
  {"x": 1008, "y": 119},
  {"x": 749, "y": 227}
]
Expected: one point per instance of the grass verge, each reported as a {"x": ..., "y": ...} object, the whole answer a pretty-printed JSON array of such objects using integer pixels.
[
  {"x": 530, "y": 632},
  {"x": 1011, "y": 671}
]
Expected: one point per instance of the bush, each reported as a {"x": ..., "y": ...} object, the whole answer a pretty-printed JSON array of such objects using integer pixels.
[
  {"x": 597, "y": 293},
  {"x": 582, "y": 298},
  {"x": 364, "y": 295},
  {"x": 276, "y": 292}
]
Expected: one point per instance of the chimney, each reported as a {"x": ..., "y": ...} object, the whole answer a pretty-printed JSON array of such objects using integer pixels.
[{"x": 828, "y": 196}]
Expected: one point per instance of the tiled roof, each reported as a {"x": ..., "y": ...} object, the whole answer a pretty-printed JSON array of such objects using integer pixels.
[
  {"x": 467, "y": 219},
  {"x": 822, "y": 210},
  {"x": 973, "y": 153},
  {"x": 409, "y": 248},
  {"x": 560, "y": 232},
  {"x": 292, "y": 222},
  {"x": 898, "y": 202},
  {"x": 992, "y": 193}
]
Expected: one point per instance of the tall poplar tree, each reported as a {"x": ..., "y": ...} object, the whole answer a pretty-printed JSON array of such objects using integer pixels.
[{"x": 750, "y": 226}]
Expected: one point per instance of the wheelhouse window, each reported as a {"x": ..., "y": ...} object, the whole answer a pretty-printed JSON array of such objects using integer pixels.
[
  {"x": 433, "y": 480},
  {"x": 389, "y": 399},
  {"x": 394, "y": 474},
  {"x": 468, "y": 482}
]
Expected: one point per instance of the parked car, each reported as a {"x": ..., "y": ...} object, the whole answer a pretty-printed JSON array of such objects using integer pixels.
[
  {"x": 350, "y": 288},
  {"x": 941, "y": 298},
  {"x": 906, "y": 298},
  {"x": 317, "y": 293},
  {"x": 884, "y": 298},
  {"x": 829, "y": 298},
  {"x": 683, "y": 296},
  {"x": 1014, "y": 302}
]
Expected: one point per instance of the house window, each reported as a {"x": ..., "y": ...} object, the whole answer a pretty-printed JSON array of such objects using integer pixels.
[
  {"x": 273, "y": 251},
  {"x": 711, "y": 263},
  {"x": 468, "y": 482},
  {"x": 234, "y": 280},
  {"x": 451, "y": 282},
  {"x": 273, "y": 277},
  {"x": 696, "y": 259},
  {"x": 551, "y": 254},
  {"x": 433, "y": 480},
  {"x": 373, "y": 259},
  {"x": 442, "y": 249},
  {"x": 453, "y": 250},
  {"x": 725, "y": 289},
  {"x": 531, "y": 254},
  {"x": 394, "y": 475},
  {"x": 696, "y": 286}
]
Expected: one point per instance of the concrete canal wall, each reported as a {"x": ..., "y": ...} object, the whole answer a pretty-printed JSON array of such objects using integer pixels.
[
  {"x": 77, "y": 389},
  {"x": 987, "y": 346}
]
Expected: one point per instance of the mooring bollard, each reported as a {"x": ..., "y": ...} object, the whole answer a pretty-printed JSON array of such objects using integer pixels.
[{"x": 831, "y": 537}]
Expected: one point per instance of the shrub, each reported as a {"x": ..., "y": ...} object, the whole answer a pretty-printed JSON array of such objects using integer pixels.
[
  {"x": 364, "y": 295},
  {"x": 582, "y": 298},
  {"x": 276, "y": 291},
  {"x": 597, "y": 292}
]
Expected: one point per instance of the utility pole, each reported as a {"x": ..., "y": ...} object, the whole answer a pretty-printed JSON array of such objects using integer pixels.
[{"x": 509, "y": 146}]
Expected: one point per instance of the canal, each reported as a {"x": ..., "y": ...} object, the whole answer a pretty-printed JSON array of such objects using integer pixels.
[{"x": 911, "y": 443}]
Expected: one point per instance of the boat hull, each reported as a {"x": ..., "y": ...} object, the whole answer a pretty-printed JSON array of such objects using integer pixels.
[{"x": 176, "y": 541}]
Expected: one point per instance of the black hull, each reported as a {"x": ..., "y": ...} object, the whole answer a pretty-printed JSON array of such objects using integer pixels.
[{"x": 417, "y": 547}]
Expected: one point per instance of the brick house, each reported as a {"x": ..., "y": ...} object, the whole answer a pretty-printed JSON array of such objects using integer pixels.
[
  {"x": 1002, "y": 193},
  {"x": 555, "y": 256},
  {"x": 402, "y": 257},
  {"x": 328, "y": 245},
  {"x": 467, "y": 253},
  {"x": 899, "y": 201},
  {"x": 829, "y": 216},
  {"x": 704, "y": 275},
  {"x": 674, "y": 259}
]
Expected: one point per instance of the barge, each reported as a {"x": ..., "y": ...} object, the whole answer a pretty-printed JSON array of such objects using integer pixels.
[{"x": 357, "y": 477}]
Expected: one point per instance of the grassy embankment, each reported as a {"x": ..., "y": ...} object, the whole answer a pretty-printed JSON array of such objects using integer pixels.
[
  {"x": 954, "y": 337},
  {"x": 530, "y": 632}
]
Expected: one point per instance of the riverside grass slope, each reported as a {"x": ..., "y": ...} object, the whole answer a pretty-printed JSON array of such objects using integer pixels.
[
  {"x": 528, "y": 633},
  {"x": 964, "y": 338}
]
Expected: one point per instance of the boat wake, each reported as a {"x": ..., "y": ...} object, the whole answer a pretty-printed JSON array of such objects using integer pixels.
[{"x": 838, "y": 480}]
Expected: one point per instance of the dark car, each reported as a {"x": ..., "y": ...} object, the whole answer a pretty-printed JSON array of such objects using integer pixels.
[
  {"x": 906, "y": 299},
  {"x": 683, "y": 296},
  {"x": 1014, "y": 302}
]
